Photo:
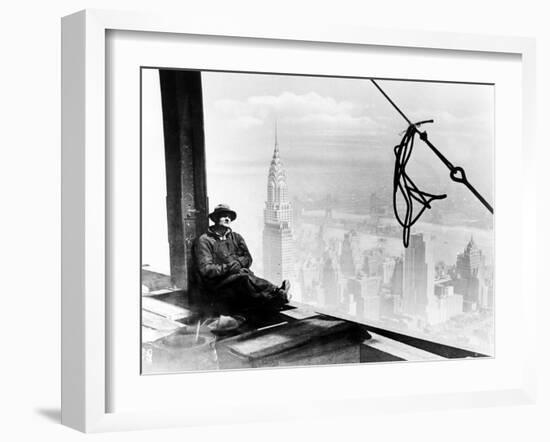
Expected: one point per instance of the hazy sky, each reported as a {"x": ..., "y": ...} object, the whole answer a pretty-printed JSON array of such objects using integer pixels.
[
  {"x": 344, "y": 121},
  {"x": 333, "y": 133}
]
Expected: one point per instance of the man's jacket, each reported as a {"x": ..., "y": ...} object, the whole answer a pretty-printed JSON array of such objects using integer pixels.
[{"x": 219, "y": 258}]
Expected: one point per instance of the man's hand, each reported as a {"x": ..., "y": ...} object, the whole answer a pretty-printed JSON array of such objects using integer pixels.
[
  {"x": 242, "y": 260},
  {"x": 233, "y": 267}
]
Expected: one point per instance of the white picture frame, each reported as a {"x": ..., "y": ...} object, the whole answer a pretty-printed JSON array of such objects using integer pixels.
[{"x": 87, "y": 203}]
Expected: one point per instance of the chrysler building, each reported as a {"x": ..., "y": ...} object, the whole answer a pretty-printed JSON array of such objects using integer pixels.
[{"x": 278, "y": 238}]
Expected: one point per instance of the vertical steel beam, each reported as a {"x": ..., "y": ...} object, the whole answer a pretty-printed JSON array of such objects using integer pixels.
[{"x": 186, "y": 199}]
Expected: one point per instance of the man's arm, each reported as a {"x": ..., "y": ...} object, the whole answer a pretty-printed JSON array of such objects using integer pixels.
[
  {"x": 243, "y": 255},
  {"x": 206, "y": 264}
]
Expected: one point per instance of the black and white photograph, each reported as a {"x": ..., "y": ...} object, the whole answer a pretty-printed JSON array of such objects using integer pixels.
[{"x": 302, "y": 220}]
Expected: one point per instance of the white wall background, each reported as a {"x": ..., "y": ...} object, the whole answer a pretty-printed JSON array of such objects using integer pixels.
[{"x": 30, "y": 232}]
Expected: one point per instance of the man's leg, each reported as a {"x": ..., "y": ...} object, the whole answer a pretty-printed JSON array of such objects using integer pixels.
[
  {"x": 263, "y": 291},
  {"x": 248, "y": 291},
  {"x": 243, "y": 292}
]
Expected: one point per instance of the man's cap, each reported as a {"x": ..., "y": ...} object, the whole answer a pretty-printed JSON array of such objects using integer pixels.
[{"x": 222, "y": 209}]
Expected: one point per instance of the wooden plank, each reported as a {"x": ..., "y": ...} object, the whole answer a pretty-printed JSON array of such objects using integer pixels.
[
  {"x": 259, "y": 344},
  {"x": 157, "y": 292},
  {"x": 150, "y": 335},
  {"x": 155, "y": 280},
  {"x": 160, "y": 323},
  {"x": 338, "y": 350},
  {"x": 325, "y": 351},
  {"x": 399, "y": 350},
  {"x": 163, "y": 308},
  {"x": 299, "y": 313}
]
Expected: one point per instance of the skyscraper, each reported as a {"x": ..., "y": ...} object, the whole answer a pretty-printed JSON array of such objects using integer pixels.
[
  {"x": 469, "y": 262},
  {"x": 364, "y": 291},
  {"x": 418, "y": 277},
  {"x": 470, "y": 284},
  {"x": 278, "y": 238},
  {"x": 397, "y": 278},
  {"x": 348, "y": 254},
  {"x": 330, "y": 279}
]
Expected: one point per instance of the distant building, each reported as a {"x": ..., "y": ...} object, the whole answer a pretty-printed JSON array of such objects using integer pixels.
[
  {"x": 364, "y": 292},
  {"x": 469, "y": 262},
  {"x": 487, "y": 301},
  {"x": 330, "y": 281},
  {"x": 388, "y": 268},
  {"x": 278, "y": 239},
  {"x": 348, "y": 254},
  {"x": 445, "y": 305},
  {"x": 309, "y": 276},
  {"x": 418, "y": 277},
  {"x": 371, "y": 297},
  {"x": 390, "y": 305},
  {"x": 440, "y": 270},
  {"x": 469, "y": 280},
  {"x": 352, "y": 294},
  {"x": 397, "y": 278},
  {"x": 320, "y": 244},
  {"x": 373, "y": 262},
  {"x": 371, "y": 309}
]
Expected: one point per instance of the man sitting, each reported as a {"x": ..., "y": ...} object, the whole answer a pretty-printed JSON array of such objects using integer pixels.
[{"x": 223, "y": 262}]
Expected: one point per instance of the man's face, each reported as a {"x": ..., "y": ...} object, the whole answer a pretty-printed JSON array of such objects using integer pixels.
[{"x": 224, "y": 220}]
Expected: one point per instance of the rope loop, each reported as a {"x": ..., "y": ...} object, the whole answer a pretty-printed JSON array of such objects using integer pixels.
[{"x": 404, "y": 185}]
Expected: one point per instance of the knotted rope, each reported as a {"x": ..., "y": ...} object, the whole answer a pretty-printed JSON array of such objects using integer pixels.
[{"x": 402, "y": 183}]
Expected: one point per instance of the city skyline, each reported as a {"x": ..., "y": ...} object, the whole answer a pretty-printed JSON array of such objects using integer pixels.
[{"x": 410, "y": 292}]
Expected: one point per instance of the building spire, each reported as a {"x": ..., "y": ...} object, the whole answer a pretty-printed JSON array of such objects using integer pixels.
[
  {"x": 471, "y": 244},
  {"x": 276, "y": 150}
]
